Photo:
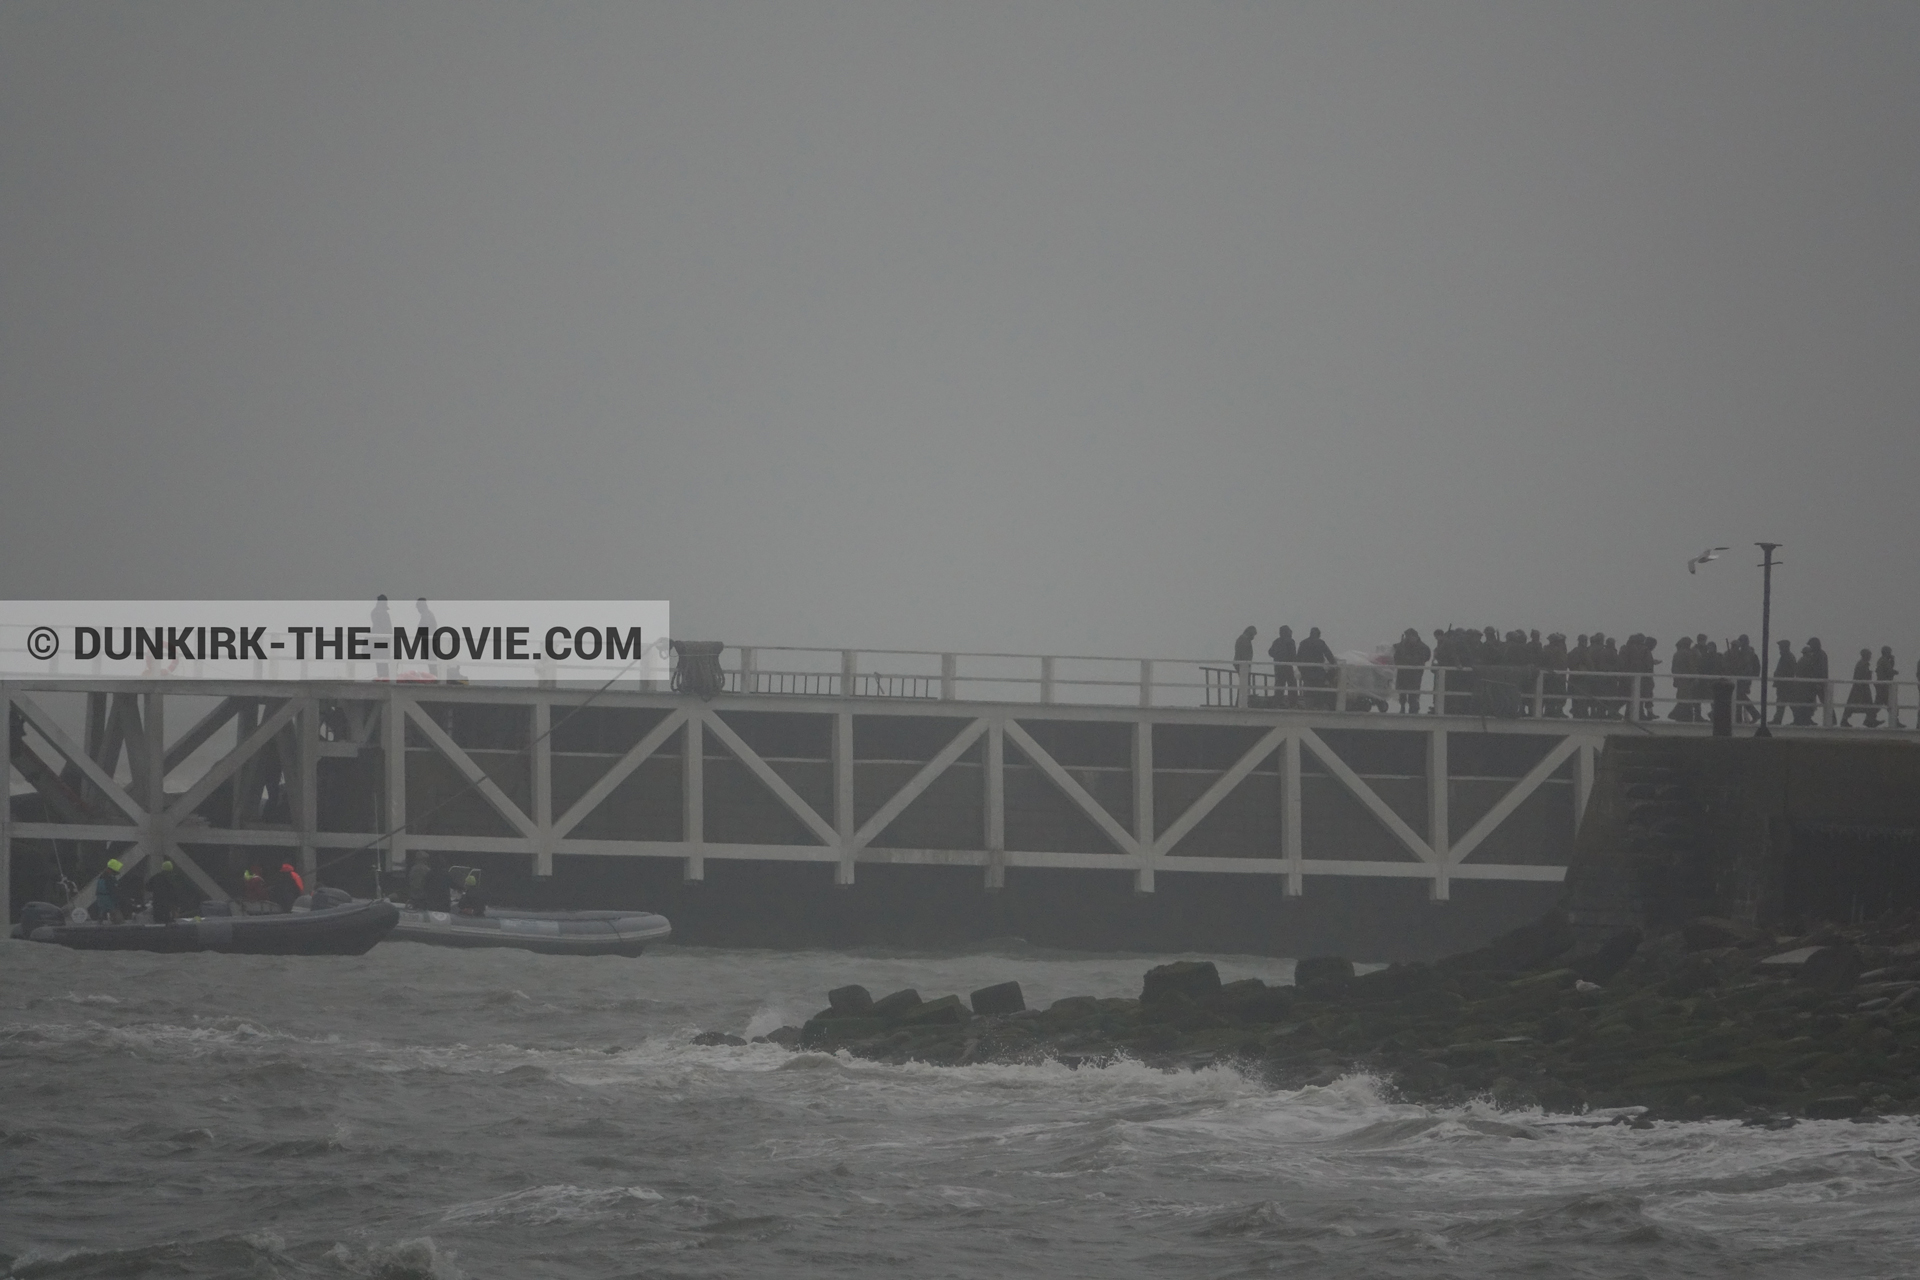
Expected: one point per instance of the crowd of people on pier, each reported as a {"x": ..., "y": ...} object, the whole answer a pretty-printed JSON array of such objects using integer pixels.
[{"x": 1597, "y": 676}]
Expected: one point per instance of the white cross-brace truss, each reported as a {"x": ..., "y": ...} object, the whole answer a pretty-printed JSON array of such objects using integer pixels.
[{"x": 151, "y": 823}]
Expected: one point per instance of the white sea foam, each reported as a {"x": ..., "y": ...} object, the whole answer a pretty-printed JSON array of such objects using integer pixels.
[
  {"x": 537, "y": 1206},
  {"x": 380, "y": 1098}
]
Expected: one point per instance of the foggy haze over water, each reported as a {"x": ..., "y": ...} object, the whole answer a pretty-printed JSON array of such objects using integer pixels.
[{"x": 1079, "y": 327}]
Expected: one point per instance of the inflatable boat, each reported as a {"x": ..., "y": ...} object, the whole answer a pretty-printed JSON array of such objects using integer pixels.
[
  {"x": 328, "y": 924},
  {"x": 554, "y": 933}
]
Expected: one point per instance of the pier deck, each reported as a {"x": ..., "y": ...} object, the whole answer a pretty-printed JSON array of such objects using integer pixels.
[{"x": 846, "y": 759}]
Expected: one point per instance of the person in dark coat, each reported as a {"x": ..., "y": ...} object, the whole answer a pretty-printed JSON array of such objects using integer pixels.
[
  {"x": 1443, "y": 658},
  {"x": 1813, "y": 673},
  {"x": 1553, "y": 657},
  {"x": 1860, "y": 695},
  {"x": 1745, "y": 664},
  {"x": 1686, "y": 706},
  {"x": 1579, "y": 663},
  {"x": 1243, "y": 666},
  {"x": 1650, "y": 646},
  {"x": 1602, "y": 659},
  {"x": 1713, "y": 670},
  {"x": 1316, "y": 670},
  {"x": 1410, "y": 656},
  {"x": 1786, "y": 689},
  {"x": 1286, "y": 685},
  {"x": 1885, "y": 671}
]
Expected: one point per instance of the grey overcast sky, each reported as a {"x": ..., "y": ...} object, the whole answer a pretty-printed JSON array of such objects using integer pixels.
[{"x": 1076, "y": 327}]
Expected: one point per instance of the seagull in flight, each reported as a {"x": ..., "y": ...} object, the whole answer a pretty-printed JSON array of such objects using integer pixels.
[{"x": 1711, "y": 553}]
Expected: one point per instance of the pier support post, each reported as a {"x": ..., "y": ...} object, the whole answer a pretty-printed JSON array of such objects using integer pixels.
[
  {"x": 1290, "y": 816},
  {"x": 843, "y": 795},
  {"x": 1582, "y": 783},
  {"x": 994, "y": 785},
  {"x": 6, "y": 819},
  {"x": 693, "y": 796},
  {"x": 393, "y": 741},
  {"x": 153, "y": 783},
  {"x": 543, "y": 788},
  {"x": 1439, "y": 779},
  {"x": 306, "y": 795},
  {"x": 1143, "y": 828}
]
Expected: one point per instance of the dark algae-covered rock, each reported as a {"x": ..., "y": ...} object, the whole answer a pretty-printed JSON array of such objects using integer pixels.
[
  {"x": 946, "y": 1011},
  {"x": 998, "y": 1000},
  {"x": 1710, "y": 1021},
  {"x": 892, "y": 1006},
  {"x": 850, "y": 1001},
  {"x": 1183, "y": 980},
  {"x": 1322, "y": 969}
]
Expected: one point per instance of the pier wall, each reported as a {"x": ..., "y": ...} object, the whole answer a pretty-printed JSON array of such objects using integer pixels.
[{"x": 1771, "y": 833}]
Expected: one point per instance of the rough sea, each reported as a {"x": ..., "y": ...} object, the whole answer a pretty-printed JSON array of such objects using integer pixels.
[{"x": 424, "y": 1112}]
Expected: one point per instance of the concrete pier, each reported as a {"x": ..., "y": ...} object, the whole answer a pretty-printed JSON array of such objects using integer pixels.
[{"x": 1115, "y": 820}]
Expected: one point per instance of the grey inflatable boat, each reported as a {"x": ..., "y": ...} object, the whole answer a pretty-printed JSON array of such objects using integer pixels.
[
  {"x": 554, "y": 933},
  {"x": 329, "y": 924}
]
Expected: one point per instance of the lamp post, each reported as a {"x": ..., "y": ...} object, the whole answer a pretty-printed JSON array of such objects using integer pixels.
[{"x": 1766, "y": 631}]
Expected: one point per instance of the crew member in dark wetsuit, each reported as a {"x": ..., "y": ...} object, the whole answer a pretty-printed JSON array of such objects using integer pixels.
[
  {"x": 473, "y": 902},
  {"x": 286, "y": 886},
  {"x": 1286, "y": 684},
  {"x": 1316, "y": 669},
  {"x": 1786, "y": 689},
  {"x": 1410, "y": 656},
  {"x": 254, "y": 889},
  {"x": 436, "y": 891},
  {"x": 417, "y": 870},
  {"x": 1885, "y": 671},
  {"x": 106, "y": 894},
  {"x": 169, "y": 893},
  {"x": 131, "y": 896}
]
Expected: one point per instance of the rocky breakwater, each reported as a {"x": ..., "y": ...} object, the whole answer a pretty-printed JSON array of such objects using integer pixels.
[{"x": 1709, "y": 1021}]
